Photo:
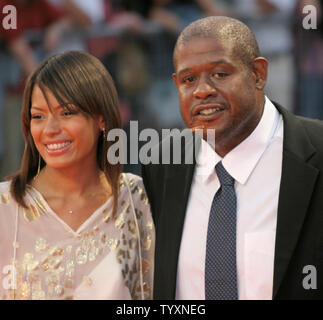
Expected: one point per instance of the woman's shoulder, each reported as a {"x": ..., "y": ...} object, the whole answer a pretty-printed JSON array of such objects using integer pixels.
[
  {"x": 136, "y": 187},
  {"x": 131, "y": 179}
]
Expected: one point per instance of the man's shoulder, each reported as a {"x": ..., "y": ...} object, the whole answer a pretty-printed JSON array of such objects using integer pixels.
[
  {"x": 312, "y": 124},
  {"x": 314, "y": 130},
  {"x": 304, "y": 138},
  {"x": 297, "y": 126}
]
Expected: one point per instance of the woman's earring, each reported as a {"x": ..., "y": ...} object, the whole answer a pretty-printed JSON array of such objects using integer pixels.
[{"x": 104, "y": 135}]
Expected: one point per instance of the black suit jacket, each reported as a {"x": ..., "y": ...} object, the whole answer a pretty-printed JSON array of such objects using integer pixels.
[{"x": 299, "y": 232}]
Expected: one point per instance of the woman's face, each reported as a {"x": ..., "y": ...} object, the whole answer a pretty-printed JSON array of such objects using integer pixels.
[{"x": 63, "y": 137}]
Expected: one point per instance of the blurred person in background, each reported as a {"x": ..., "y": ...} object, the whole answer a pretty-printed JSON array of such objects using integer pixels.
[
  {"x": 81, "y": 15},
  {"x": 127, "y": 14},
  {"x": 124, "y": 53},
  {"x": 272, "y": 23},
  {"x": 174, "y": 15},
  {"x": 19, "y": 55}
]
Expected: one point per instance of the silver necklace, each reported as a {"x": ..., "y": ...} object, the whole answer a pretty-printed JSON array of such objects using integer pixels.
[{"x": 71, "y": 211}]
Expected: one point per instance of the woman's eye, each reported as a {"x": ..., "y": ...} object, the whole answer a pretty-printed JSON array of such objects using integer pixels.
[
  {"x": 36, "y": 116},
  {"x": 69, "y": 113}
]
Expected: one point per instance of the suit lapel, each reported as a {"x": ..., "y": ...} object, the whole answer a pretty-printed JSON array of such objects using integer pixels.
[
  {"x": 296, "y": 187},
  {"x": 178, "y": 185}
]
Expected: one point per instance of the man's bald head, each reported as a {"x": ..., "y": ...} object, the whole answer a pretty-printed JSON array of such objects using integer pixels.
[{"x": 230, "y": 31}]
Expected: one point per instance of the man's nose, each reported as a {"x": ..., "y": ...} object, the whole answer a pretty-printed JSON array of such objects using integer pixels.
[
  {"x": 204, "y": 88},
  {"x": 52, "y": 126}
]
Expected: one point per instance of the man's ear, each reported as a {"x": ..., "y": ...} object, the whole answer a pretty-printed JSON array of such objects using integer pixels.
[
  {"x": 260, "y": 67},
  {"x": 174, "y": 78}
]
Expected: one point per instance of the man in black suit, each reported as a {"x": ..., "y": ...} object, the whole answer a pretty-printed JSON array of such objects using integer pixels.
[{"x": 274, "y": 157}]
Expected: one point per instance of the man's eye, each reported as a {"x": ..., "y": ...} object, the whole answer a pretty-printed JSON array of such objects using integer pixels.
[
  {"x": 219, "y": 75},
  {"x": 188, "y": 79}
]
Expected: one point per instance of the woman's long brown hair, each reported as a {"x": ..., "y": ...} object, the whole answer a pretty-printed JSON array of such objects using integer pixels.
[{"x": 79, "y": 79}]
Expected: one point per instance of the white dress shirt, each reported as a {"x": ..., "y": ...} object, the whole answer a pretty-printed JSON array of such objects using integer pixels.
[{"x": 256, "y": 165}]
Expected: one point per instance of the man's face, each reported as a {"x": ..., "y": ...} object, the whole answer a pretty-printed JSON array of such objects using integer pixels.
[{"x": 217, "y": 91}]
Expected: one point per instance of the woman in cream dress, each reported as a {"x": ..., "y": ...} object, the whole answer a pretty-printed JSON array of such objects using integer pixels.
[{"x": 72, "y": 226}]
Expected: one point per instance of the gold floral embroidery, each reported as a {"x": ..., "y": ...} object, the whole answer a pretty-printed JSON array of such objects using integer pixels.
[
  {"x": 4, "y": 198},
  {"x": 142, "y": 194},
  {"x": 41, "y": 245},
  {"x": 106, "y": 215},
  {"x": 131, "y": 182},
  {"x": 147, "y": 242},
  {"x": 149, "y": 225},
  {"x": 31, "y": 213},
  {"x": 24, "y": 290},
  {"x": 132, "y": 227},
  {"x": 103, "y": 239},
  {"x": 146, "y": 290},
  {"x": 81, "y": 255},
  {"x": 135, "y": 189},
  {"x": 120, "y": 221},
  {"x": 33, "y": 265},
  {"x": 27, "y": 258},
  {"x": 41, "y": 205},
  {"x": 140, "y": 191},
  {"x": 138, "y": 213},
  {"x": 45, "y": 264},
  {"x": 121, "y": 255},
  {"x": 145, "y": 266},
  {"x": 121, "y": 182},
  {"x": 132, "y": 243},
  {"x": 144, "y": 198},
  {"x": 113, "y": 244}
]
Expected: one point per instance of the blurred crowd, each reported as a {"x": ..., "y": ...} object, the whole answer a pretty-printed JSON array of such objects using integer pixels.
[{"x": 135, "y": 40}]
